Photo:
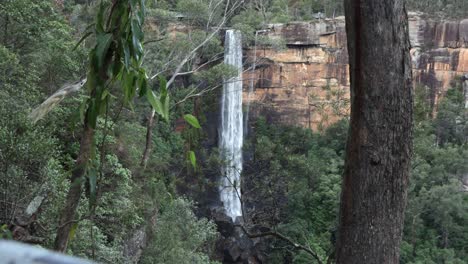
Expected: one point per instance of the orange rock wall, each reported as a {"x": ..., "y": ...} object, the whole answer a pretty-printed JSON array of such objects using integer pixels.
[{"x": 307, "y": 83}]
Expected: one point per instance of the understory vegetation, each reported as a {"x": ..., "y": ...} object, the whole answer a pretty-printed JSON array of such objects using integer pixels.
[
  {"x": 297, "y": 175},
  {"x": 294, "y": 172}
]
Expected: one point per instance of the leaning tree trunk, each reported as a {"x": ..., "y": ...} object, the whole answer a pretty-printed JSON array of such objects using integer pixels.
[
  {"x": 152, "y": 118},
  {"x": 379, "y": 143},
  {"x": 67, "y": 217}
]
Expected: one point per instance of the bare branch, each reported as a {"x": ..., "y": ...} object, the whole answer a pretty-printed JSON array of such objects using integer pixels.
[
  {"x": 44, "y": 108},
  {"x": 284, "y": 238}
]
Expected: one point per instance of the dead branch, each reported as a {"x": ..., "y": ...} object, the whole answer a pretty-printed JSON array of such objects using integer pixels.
[
  {"x": 44, "y": 108},
  {"x": 284, "y": 238}
]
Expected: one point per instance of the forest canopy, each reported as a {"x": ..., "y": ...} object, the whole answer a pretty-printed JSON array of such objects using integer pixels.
[{"x": 149, "y": 179}]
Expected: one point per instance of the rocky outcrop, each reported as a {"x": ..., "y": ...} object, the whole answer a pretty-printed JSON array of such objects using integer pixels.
[{"x": 307, "y": 82}]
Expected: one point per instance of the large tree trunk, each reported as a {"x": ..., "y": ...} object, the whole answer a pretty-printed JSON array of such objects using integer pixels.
[{"x": 379, "y": 143}]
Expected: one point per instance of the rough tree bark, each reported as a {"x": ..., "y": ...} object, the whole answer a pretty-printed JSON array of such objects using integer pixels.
[
  {"x": 149, "y": 138},
  {"x": 67, "y": 217},
  {"x": 379, "y": 146}
]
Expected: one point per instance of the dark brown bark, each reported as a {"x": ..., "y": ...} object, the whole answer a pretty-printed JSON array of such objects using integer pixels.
[
  {"x": 149, "y": 138},
  {"x": 379, "y": 143},
  {"x": 67, "y": 216}
]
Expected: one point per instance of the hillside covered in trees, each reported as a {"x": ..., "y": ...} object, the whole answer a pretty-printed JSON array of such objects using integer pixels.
[{"x": 112, "y": 142}]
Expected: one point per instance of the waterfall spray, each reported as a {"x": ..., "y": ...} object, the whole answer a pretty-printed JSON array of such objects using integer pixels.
[{"x": 231, "y": 129}]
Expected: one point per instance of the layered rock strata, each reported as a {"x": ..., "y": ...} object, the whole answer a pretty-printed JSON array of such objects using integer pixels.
[{"x": 307, "y": 82}]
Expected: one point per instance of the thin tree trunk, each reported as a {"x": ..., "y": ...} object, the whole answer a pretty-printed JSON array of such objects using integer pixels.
[
  {"x": 379, "y": 143},
  {"x": 67, "y": 216},
  {"x": 176, "y": 73},
  {"x": 149, "y": 138}
]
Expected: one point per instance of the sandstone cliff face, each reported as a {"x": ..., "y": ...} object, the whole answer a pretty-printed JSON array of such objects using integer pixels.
[{"x": 307, "y": 83}]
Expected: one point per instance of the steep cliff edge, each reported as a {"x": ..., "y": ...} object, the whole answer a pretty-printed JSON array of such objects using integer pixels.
[{"x": 307, "y": 83}]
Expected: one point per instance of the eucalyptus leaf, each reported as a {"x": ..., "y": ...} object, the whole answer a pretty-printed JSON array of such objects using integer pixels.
[
  {"x": 102, "y": 46},
  {"x": 155, "y": 102},
  {"x": 193, "y": 159},
  {"x": 72, "y": 233},
  {"x": 126, "y": 55},
  {"x": 192, "y": 120}
]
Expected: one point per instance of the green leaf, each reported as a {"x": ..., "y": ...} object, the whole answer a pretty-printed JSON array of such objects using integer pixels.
[
  {"x": 92, "y": 113},
  {"x": 155, "y": 102},
  {"x": 100, "y": 17},
  {"x": 105, "y": 93},
  {"x": 126, "y": 55},
  {"x": 72, "y": 233},
  {"x": 193, "y": 159},
  {"x": 160, "y": 103},
  {"x": 136, "y": 29},
  {"x": 124, "y": 17},
  {"x": 163, "y": 86},
  {"x": 143, "y": 86},
  {"x": 165, "y": 104},
  {"x": 142, "y": 11},
  {"x": 164, "y": 98},
  {"x": 102, "y": 45},
  {"x": 192, "y": 120},
  {"x": 137, "y": 47},
  {"x": 128, "y": 86},
  {"x": 133, "y": 4}
]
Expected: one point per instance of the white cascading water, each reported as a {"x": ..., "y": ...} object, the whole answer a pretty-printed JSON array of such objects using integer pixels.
[{"x": 231, "y": 129}]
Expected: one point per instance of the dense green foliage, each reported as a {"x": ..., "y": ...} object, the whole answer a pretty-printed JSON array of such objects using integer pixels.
[
  {"x": 29, "y": 153},
  {"x": 300, "y": 177},
  {"x": 179, "y": 237},
  {"x": 300, "y": 184},
  {"x": 294, "y": 172},
  {"x": 37, "y": 57}
]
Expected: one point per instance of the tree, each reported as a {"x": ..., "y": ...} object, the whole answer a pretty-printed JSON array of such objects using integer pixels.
[
  {"x": 379, "y": 145},
  {"x": 209, "y": 15},
  {"x": 115, "y": 60}
]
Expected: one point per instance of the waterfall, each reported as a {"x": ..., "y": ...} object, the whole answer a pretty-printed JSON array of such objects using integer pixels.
[{"x": 231, "y": 128}]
